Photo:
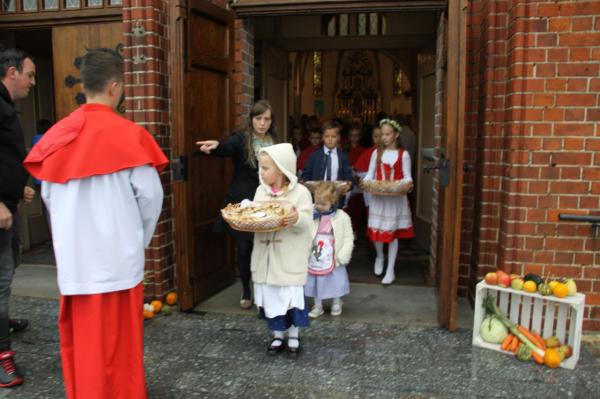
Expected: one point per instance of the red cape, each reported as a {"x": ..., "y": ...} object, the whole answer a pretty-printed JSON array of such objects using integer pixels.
[
  {"x": 92, "y": 140},
  {"x": 355, "y": 153},
  {"x": 362, "y": 163},
  {"x": 305, "y": 154}
]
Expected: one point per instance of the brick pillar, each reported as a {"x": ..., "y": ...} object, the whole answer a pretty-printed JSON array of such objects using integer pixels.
[
  {"x": 146, "y": 88},
  {"x": 440, "y": 76},
  {"x": 538, "y": 108},
  {"x": 244, "y": 70}
]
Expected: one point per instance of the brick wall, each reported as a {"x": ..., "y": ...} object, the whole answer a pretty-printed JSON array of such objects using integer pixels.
[
  {"x": 244, "y": 70},
  {"x": 146, "y": 43},
  {"x": 538, "y": 105}
]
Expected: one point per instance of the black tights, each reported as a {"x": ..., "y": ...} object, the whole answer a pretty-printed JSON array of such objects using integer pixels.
[{"x": 243, "y": 253}]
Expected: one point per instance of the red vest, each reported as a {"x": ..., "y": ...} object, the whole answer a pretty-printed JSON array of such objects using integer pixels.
[{"x": 387, "y": 172}]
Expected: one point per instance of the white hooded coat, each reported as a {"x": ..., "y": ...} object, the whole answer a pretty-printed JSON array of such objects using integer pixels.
[{"x": 281, "y": 258}]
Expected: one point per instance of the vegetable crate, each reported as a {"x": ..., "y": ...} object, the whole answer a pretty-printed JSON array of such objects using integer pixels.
[{"x": 547, "y": 315}]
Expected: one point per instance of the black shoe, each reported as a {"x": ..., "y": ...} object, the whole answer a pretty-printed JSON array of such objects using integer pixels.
[
  {"x": 16, "y": 325},
  {"x": 9, "y": 375},
  {"x": 294, "y": 352},
  {"x": 275, "y": 349}
]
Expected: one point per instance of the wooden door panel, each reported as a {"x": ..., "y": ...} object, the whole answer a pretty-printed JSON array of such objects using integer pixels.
[
  {"x": 202, "y": 95},
  {"x": 69, "y": 44}
]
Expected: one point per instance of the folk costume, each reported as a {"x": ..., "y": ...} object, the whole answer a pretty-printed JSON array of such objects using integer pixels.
[
  {"x": 331, "y": 251},
  {"x": 279, "y": 259},
  {"x": 390, "y": 217},
  {"x": 101, "y": 186}
]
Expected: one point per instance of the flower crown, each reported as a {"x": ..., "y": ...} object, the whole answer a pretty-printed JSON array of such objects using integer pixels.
[{"x": 392, "y": 123}]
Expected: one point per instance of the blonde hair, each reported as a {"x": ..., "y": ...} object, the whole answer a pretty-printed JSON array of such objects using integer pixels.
[{"x": 327, "y": 190}]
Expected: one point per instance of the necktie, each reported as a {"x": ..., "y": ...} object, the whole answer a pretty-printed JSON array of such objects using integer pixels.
[{"x": 328, "y": 166}]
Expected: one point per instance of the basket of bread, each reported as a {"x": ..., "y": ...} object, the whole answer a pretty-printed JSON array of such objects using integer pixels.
[
  {"x": 387, "y": 187},
  {"x": 341, "y": 185},
  {"x": 256, "y": 216}
]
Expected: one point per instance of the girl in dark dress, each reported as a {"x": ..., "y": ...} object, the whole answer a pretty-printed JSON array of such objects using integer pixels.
[{"x": 243, "y": 146}]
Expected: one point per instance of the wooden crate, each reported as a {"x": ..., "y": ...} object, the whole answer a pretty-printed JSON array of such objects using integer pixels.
[{"x": 547, "y": 315}]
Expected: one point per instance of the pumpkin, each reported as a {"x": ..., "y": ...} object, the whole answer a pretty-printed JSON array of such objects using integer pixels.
[
  {"x": 171, "y": 298},
  {"x": 492, "y": 330},
  {"x": 560, "y": 290},
  {"x": 551, "y": 358},
  {"x": 529, "y": 286},
  {"x": 157, "y": 305}
]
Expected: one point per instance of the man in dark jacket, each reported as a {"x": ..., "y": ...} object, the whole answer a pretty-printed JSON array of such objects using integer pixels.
[{"x": 17, "y": 77}]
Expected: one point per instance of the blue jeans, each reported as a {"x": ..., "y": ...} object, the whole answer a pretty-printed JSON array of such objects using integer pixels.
[{"x": 9, "y": 259}]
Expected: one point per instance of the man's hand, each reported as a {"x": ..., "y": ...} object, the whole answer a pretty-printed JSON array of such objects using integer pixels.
[
  {"x": 6, "y": 219},
  {"x": 28, "y": 194}
]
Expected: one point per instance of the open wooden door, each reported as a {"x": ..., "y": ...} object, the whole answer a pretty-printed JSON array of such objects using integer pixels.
[
  {"x": 450, "y": 200},
  {"x": 202, "y": 90}
]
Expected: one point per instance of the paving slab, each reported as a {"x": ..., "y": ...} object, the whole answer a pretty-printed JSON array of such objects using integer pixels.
[{"x": 216, "y": 355}]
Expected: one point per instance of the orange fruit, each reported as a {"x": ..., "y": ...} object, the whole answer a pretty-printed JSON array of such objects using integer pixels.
[
  {"x": 551, "y": 358},
  {"x": 530, "y": 286},
  {"x": 157, "y": 305},
  {"x": 171, "y": 298},
  {"x": 148, "y": 314},
  {"x": 560, "y": 290}
]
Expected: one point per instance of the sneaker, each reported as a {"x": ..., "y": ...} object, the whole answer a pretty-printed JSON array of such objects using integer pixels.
[
  {"x": 9, "y": 375},
  {"x": 16, "y": 325},
  {"x": 315, "y": 312},
  {"x": 336, "y": 309}
]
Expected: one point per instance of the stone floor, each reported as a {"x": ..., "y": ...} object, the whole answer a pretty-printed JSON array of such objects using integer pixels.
[{"x": 212, "y": 355}]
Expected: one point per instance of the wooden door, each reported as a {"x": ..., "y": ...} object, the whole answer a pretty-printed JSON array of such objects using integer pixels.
[
  {"x": 450, "y": 204},
  {"x": 69, "y": 44},
  {"x": 202, "y": 109}
]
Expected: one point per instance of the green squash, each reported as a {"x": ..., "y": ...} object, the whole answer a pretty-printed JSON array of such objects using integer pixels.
[
  {"x": 545, "y": 289},
  {"x": 523, "y": 353}
]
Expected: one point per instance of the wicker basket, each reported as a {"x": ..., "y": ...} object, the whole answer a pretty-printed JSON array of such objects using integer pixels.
[
  {"x": 257, "y": 217},
  {"x": 339, "y": 184},
  {"x": 387, "y": 187}
]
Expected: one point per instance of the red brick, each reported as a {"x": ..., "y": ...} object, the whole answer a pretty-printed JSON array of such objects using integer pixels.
[
  {"x": 572, "y": 144},
  {"x": 547, "y": 40},
  {"x": 554, "y": 114},
  {"x": 591, "y": 174},
  {"x": 545, "y": 70},
  {"x": 579, "y": 54},
  {"x": 564, "y": 244},
  {"x": 557, "y": 54},
  {"x": 556, "y": 84},
  {"x": 573, "y": 100},
  {"x": 572, "y": 129},
  {"x": 580, "y": 24},
  {"x": 578, "y": 69},
  {"x": 579, "y": 39},
  {"x": 569, "y": 187},
  {"x": 593, "y": 115}
]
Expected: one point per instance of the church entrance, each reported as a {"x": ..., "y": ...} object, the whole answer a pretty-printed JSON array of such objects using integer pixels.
[{"x": 357, "y": 68}]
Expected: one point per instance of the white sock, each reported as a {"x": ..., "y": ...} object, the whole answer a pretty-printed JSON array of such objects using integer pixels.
[
  {"x": 337, "y": 301},
  {"x": 277, "y": 334},
  {"x": 379, "y": 249},
  {"x": 318, "y": 302},
  {"x": 293, "y": 332},
  {"x": 392, "y": 253}
]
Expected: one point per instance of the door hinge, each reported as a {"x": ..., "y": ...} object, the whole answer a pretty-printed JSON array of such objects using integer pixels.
[{"x": 179, "y": 167}]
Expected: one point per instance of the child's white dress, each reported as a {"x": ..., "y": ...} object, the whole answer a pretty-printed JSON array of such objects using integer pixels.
[{"x": 389, "y": 216}]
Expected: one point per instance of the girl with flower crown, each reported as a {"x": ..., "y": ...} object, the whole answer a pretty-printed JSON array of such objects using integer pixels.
[
  {"x": 390, "y": 218},
  {"x": 331, "y": 251}
]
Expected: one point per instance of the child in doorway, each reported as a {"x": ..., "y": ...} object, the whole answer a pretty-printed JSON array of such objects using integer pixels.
[
  {"x": 279, "y": 260},
  {"x": 314, "y": 139},
  {"x": 389, "y": 216},
  {"x": 331, "y": 251}
]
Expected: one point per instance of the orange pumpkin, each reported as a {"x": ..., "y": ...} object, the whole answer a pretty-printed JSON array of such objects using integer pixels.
[
  {"x": 157, "y": 305},
  {"x": 148, "y": 314},
  {"x": 171, "y": 298},
  {"x": 551, "y": 358},
  {"x": 560, "y": 290}
]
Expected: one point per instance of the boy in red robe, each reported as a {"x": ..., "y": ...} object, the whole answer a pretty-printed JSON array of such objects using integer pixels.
[
  {"x": 315, "y": 143},
  {"x": 101, "y": 186}
]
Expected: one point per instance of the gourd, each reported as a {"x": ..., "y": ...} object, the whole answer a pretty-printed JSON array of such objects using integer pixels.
[
  {"x": 545, "y": 289},
  {"x": 533, "y": 277},
  {"x": 492, "y": 330},
  {"x": 524, "y": 353}
]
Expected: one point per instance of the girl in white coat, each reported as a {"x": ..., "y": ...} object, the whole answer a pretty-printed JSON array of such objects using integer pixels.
[
  {"x": 279, "y": 260},
  {"x": 331, "y": 251}
]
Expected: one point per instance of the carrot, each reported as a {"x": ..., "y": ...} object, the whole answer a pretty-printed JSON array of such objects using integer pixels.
[
  {"x": 540, "y": 340},
  {"x": 514, "y": 345},
  {"x": 530, "y": 336},
  {"x": 506, "y": 342},
  {"x": 537, "y": 358}
]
